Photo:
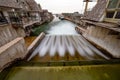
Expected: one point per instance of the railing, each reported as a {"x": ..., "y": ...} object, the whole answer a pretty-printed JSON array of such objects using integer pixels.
[
  {"x": 15, "y": 21},
  {"x": 23, "y": 20}
]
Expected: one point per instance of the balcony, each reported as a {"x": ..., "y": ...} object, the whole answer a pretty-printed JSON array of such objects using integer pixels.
[
  {"x": 27, "y": 21},
  {"x": 19, "y": 19}
]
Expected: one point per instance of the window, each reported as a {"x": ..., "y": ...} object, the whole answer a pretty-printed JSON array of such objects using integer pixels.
[
  {"x": 113, "y": 11},
  {"x": 112, "y": 4},
  {"x": 110, "y": 14}
]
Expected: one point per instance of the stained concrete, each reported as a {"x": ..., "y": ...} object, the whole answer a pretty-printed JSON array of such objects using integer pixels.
[
  {"x": 101, "y": 37},
  {"x": 11, "y": 51},
  {"x": 7, "y": 33}
]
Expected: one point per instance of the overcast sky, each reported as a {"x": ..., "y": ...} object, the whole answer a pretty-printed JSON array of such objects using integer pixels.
[{"x": 59, "y": 6}]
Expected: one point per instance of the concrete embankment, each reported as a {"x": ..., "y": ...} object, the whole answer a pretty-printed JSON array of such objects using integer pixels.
[
  {"x": 12, "y": 51},
  {"x": 103, "y": 37},
  {"x": 34, "y": 45},
  {"x": 12, "y": 45},
  {"x": 16, "y": 49},
  {"x": 7, "y": 33}
]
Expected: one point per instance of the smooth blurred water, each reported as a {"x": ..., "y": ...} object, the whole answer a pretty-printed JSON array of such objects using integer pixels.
[
  {"x": 56, "y": 27},
  {"x": 71, "y": 44},
  {"x": 62, "y": 27}
]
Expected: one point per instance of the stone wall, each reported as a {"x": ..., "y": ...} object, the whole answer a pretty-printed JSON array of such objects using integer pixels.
[{"x": 103, "y": 38}]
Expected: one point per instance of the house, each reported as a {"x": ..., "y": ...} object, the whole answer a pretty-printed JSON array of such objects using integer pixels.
[
  {"x": 12, "y": 45},
  {"x": 23, "y": 15},
  {"x": 5, "y": 7}
]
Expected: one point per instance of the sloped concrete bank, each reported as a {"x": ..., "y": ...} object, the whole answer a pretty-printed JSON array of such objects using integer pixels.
[
  {"x": 12, "y": 51},
  {"x": 103, "y": 37},
  {"x": 17, "y": 50},
  {"x": 12, "y": 45},
  {"x": 34, "y": 45},
  {"x": 101, "y": 34},
  {"x": 7, "y": 34}
]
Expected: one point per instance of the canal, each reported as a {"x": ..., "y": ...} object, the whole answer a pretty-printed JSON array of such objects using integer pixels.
[
  {"x": 63, "y": 43},
  {"x": 63, "y": 55},
  {"x": 56, "y": 27}
]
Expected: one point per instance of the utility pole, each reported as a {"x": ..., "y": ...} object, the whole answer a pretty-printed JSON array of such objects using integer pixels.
[{"x": 86, "y": 6}]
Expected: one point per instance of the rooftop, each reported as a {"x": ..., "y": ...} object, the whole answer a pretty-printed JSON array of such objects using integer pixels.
[{"x": 9, "y": 3}]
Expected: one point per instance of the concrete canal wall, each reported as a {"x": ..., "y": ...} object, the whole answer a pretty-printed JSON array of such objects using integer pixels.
[
  {"x": 34, "y": 45},
  {"x": 104, "y": 35},
  {"x": 8, "y": 33},
  {"x": 12, "y": 45},
  {"x": 104, "y": 38},
  {"x": 11, "y": 51}
]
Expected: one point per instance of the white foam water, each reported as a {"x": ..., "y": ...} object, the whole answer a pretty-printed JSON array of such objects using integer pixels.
[{"x": 60, "y": 44}]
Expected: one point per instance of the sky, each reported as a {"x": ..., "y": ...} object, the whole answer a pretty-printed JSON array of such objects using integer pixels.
[{"x": 59, "y": 6}]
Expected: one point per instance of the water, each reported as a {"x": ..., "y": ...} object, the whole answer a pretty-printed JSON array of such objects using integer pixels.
[
  {"x": 92, "y": 72},
  {"x": 56, "y": 27},
  {"x": 63, "y": 27},
  {"x": 63, "y": 41}
]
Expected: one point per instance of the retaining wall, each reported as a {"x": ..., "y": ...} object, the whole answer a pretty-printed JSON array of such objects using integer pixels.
[
  {"x": 103, "y": 38},
  {"x": 11, "y": 51},
  {"x": 7, "y": 34}
]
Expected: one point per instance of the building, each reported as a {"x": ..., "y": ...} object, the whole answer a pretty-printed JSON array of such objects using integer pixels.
[
  {"x": 11, "y": 42},
  {"x": 23, "y": 14},
  {"x": 17, "y": 17}
]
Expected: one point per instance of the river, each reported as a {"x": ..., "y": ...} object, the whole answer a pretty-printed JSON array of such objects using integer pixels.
[{"x": 56, "y": 27}]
